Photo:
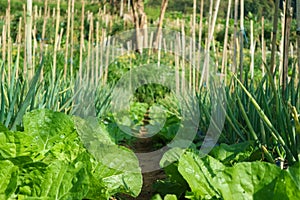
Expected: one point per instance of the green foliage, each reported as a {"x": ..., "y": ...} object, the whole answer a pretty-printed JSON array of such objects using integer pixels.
[
  {"x": 167, "y": 197},
  {"x": 151, "y": 93},
  {"x": 50, "y": 160},
  {"x": 231, "y": 154},
  {"x": 209, "y": 179},
  {"x": 256, "y": 111},
  {"x": 152, "y": 12},
  {"x": 174, "y": 183},
  {"x": 230, "y": 171}
]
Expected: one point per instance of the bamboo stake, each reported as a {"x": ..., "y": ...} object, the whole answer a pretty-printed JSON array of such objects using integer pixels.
[
  {"x": 53, "y": 14},
  {"x": 67, "y": 40},
  {"x": 158, "y": 36},
  {"x": 177, "y": 78},
  {"x": 19, "y": 40},
  {"x": 200, "y": 43},
  {"x": 252, "y": 49},
  {"x": 235, "y": 36},
  {"x": 29, "y": 39},
  {"x": 159, "y": 50},
  {"x": 263, "y": 46},
  {"x": 81, "y": 42},
  {"x": 59, "y": 39},
  {"x": 275, "y": 27},
  {"x": 288, "y": 20},
  {"x": 150, "y": 46},
  {"x": 4, "y": 43},
  {"x": 121, "y": 8},
  {"x": 201, "y": 24},
  {"x": 34, "y": 33},
  {"x": 34, "y": 48},
  {"x": 93, "y": 46},
  {"x": 190, "y": 65},
  {"x": 8, "y": 19},
  {"x": 4, "y": 49},
  {"x": 89, "y": 68},
  {"x": 56, "y": 41},
  {"x": 25, "y": 74},
  {"x": 204, "y": 75},
  {"x": 97, "y": 53},
  {"x": 210, "y": 38},
  {"x": 292, "y": 57},
  {"x": 224, "y": 58},
  {"x": 72, "y": 38},
  {"x": 107, "y": 59},
  {"x": 102, "y": 55},
  {"x": 9, "y": 43},
  {"x": 242, "y": 31},
  {"x": 298, "y": 40},
  {"x": 46, "y": 11},
  {"x": 282, "y": 44},
  {"x": 183, "y": 57},
  {"x": 297, "y": 64},
  {"x": 128, "y": 6},
  {"x": 194, "y": 46}
]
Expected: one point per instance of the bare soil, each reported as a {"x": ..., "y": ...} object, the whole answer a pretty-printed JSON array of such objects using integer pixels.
[{"x": 145, "y": 145}]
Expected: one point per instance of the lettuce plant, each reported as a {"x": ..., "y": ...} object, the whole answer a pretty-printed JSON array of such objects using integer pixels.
[{"x": 49, "y": 160}]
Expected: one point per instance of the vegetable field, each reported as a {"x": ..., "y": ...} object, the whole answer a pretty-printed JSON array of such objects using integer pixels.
[{"x": 148, "y": 99}]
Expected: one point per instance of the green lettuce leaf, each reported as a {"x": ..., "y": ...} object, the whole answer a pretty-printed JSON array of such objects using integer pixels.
[
  {"x": 9, "y": 179},
  {"x": 53, "y": 135},
  {"x": 115, "y": 168},
  {"x": 230, "y": 154},
  {"x": 208, "y": 178},
  {"x": 59, "y": 180},
  {"x": 55, "y": 159},
  {"x": 7, "y": 145}
]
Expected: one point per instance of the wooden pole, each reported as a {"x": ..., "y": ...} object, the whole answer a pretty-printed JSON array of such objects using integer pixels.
[
  {"x": 193, "y": 55},
  {"x": 81, "y": 42},
  {"x": 252, "y": 49},
  {"x": 274, "y": 45},
  {"x": 200, "y": 43},
  {"x": 72, "y": 38},
  {"x": 164, "y": 5},
  {"x": 298, "y": 39},
  {"x": 204, "y": 75},
  {"x": 97, "y": 53},
  {"x": 282, "y": 44},
  {"x": 4, "y": 42},
  {"x": 67, "y": 40},
  {"x": 263, "y": 46},
  {"x": 242, "y": 32},
  {"x": 209, "y": 40},
  {"x": 25, "y": 74},
  {"x": 224, "y": 58},
  {"x": 182, "y": 43},
  {"x": 235, "y": 36},
  {"x": 56, "y": 41},
  {"x": 29, "y": 39},
  {"x": 121, "y": 8},
  {"x": 288, "y": 20},
  {"x": 19, "y": 40},
  {"x": 89, "y": 56},
  {"x": 9, "y": 43}
]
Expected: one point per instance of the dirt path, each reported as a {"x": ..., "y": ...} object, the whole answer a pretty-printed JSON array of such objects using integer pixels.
[{"x": 145, "y": 145}]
